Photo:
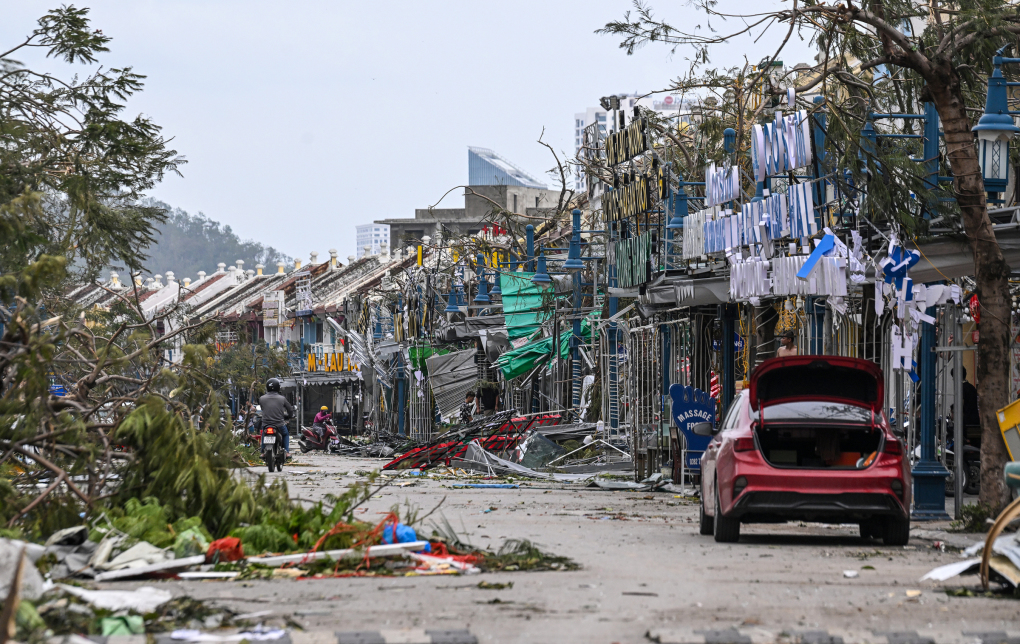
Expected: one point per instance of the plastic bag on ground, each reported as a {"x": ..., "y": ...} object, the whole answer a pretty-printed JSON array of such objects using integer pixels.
[
  {"x": 123, "y": 625},
  {"x": 405, "y": 534},
  {"x": 189, "y": 543},
  {"x": 226, "y": 549}
]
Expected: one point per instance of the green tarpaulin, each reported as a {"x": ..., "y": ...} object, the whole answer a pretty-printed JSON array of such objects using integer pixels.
[
  {"x": 517, "y": 362},
  {"x": 419, "y": 354},
  {"x": 522, "y": 304}
]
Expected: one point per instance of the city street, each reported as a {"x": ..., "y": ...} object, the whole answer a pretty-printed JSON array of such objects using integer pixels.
[{"x": 644, "y": 568}]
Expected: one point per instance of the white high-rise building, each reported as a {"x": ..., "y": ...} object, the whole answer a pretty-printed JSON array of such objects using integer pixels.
[{"x": 372, "y": 236}]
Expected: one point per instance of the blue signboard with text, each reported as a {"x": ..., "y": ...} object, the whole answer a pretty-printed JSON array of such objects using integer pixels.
[{"x": 692, "y": 406}]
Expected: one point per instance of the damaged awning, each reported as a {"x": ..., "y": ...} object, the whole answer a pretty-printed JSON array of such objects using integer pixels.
[
  {"x": 321, "y": 378},
  {"x": 519, "y": 361},
  {"x": 451, "y": 376}
]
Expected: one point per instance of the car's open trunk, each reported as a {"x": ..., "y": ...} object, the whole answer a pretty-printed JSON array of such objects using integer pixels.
[
  {"x": 818, "y": 412},
  {"x": 822, "y": 446}
]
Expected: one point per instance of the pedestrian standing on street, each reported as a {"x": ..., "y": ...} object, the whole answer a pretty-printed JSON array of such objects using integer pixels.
[
  {"x": 787, "y": 344},
  {"x": 488, "y": 397},
  {"x": 467, "y": 410}
]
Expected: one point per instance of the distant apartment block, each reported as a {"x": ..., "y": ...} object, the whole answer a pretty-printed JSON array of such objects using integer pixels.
[{"x": 370, "y": 237}]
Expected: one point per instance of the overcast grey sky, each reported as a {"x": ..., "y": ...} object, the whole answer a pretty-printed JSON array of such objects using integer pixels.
[{"x": 303, "y": 118}]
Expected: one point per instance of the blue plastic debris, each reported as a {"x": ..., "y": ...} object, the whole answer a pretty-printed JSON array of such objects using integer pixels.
[{"x": 405, "y": 534}]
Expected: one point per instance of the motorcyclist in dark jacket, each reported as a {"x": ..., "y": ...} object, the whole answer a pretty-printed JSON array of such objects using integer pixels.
[{"x": 276, "y": 411}]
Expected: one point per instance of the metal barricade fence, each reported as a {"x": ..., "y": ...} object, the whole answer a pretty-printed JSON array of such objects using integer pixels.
[
  {"x": 645, "y": 397},
  {"x": 420, "y": 408}
]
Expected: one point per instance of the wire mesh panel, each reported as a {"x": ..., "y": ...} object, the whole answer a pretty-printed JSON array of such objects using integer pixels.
[
  {"x": 645, "y": 399},
  {"x": 609, "y": 355}
]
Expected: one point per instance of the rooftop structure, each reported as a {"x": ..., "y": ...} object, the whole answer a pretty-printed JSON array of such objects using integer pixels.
[{"x": 486, "y": 168}]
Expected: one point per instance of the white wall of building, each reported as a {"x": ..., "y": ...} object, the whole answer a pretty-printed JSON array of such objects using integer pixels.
[{"x": 372, "y": 235}]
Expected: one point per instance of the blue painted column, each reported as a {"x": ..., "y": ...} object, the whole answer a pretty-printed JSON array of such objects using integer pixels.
[
  {"x": 931, "y": 149},
  {"x": 929, "y": 474},
  {"x": 529, "y": 232}
]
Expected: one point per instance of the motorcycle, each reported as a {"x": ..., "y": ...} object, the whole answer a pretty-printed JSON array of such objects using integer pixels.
[
  {"x": 272, "y": 449},
  {"x": 309, "y": 440},
  {"x": 971, "y": 470}
]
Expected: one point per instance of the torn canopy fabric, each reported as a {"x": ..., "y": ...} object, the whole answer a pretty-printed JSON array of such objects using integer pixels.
[
  {"x": 420, "y": 354},
  {"x": 451, "y": 376},
  {"x": 519, "y": 361},
  {"x": 522, "y": 304}
]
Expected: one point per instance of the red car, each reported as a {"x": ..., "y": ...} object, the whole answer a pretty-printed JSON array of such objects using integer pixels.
[{"x": 807, "y": 441}]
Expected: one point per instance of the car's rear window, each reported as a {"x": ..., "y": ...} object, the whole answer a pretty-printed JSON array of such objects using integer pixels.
[{"x": 816, "y": 411}]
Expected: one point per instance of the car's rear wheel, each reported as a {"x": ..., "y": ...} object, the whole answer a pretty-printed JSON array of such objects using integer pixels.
[
  {"x": 871, "y": 529},
  {"x": 707, "y": 524},
  {"x": 897, "y": 531},
  {"x": 727, "y": 529}
]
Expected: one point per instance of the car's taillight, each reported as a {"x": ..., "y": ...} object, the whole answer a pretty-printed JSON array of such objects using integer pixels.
[
  {"x": 745, "y": 444},
  {"x": 893, "y": 446}
]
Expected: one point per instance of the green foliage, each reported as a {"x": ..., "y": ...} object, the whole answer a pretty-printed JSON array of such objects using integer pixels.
[
  {"x": 187, "y": 244},
  {"x": 975, "y": 518},
  {"x": 244, "y": 364},
  {"x": 72, "y": 167},
  {"x": 261, "y": 538},
  {"x": 522, "y": 554},
  {"x": 190, "y": 471}
]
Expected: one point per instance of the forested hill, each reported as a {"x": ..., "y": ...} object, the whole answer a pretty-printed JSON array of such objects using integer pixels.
[{"x": 188, "y": 243}]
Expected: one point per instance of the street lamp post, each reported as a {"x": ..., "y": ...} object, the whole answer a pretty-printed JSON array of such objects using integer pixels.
[{"x": 994, "y": 130}]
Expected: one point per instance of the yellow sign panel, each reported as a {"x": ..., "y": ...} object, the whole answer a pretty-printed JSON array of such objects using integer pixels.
[{"x": 330, "y": 362}]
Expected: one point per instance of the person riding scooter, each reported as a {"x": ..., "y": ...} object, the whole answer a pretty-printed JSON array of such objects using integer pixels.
[
  {"x": 320, "y": 420},
  {"x": 276, "y": 411}
]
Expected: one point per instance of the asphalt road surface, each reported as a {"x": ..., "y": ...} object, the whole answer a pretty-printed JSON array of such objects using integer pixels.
[{"x": 644, "y": 568}]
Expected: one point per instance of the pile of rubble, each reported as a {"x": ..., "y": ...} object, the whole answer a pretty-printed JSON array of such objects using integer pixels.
[{"x": 51, "y": 591}]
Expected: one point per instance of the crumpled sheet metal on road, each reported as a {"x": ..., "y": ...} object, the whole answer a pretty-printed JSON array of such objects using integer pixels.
[{"x": 476, "y": 455}]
